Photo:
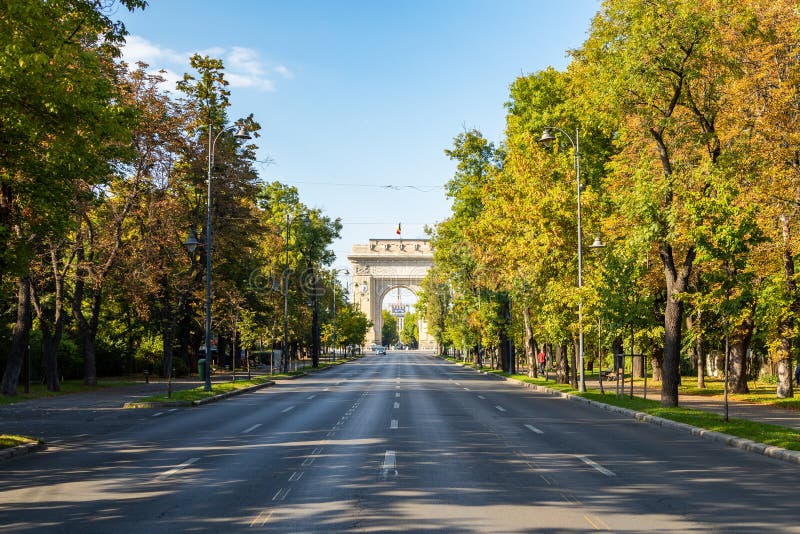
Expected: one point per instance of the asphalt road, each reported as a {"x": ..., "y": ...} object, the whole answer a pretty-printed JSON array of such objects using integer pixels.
[{"x": 396, "y": 443}]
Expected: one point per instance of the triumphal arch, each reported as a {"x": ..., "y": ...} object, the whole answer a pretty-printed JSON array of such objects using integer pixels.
[{"x": 383, "y": 265}]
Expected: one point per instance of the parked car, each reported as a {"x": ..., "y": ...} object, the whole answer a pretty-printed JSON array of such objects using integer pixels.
[{"x": 380, "y": 349}]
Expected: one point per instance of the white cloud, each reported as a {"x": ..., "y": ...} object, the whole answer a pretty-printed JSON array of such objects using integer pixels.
[
  {"x": 243, "y": 80},
  {"x": 140, "y": 49},
  {"x": 283, "y": 71},
  {"x": 244, "y": 67}
]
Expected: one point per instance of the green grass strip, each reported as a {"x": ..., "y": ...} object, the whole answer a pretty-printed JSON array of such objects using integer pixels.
[
  {"x": 774, "y": 435},
  {"x": 39, "y": 391},
  {"x": 10, "y": 440},
  {"x": 217, "y": 388}
]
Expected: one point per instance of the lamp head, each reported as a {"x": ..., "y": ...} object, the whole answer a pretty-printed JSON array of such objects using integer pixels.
[
  {"x": 597, "y": 243},
  {"x": 241, "y": 133},
  {"x": 191, "y": 242},
  {"x": 547, "y": 137}
]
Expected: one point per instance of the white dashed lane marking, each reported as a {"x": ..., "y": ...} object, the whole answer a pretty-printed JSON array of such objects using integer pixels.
[
  {"x": 251, "y": 428},
  {"x": 595, "y": 465},
  {"x": 533, "y": 429},
  {"x": 390, "y": 460},
  {"x": 290, "y": 408},
  {"x": 500, "y": 409},
  {"x": 177, "y": 468}
]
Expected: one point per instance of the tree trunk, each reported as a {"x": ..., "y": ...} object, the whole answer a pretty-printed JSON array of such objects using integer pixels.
[
  {"x": 573, "y": 360},
  {"x": 315, "y": 327},
  {"x": 699, "y": 351},
  {"x": 530, "y": 342},
  {"x": 562, "y": 365},
  {"x": 51, "y": 327},
  {"x": 740, "y": 342},
  {"x": 506, "y": 351},
  {"x": 786, "y": 323},
  {"x": 616, "y": 348},
  {"x": 167, "y": 333},
  {"x": 21, "y": 336},
  {"x": 656, "y": 361},
  {"x": 673, "y": 321}
]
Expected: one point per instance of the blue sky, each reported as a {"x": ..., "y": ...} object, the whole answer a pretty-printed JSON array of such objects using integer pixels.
[{"x": 359, "y": 99}]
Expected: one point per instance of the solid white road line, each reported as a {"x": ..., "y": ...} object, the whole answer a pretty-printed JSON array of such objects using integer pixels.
[
  {"x": 500, "y": 409},
  {"x": 597, "y": 466},
  {"x": 177, "y": 468},
  {"x": 251, "y": 428},
  {"x": 290, "y": 408},
  {"x": 533, "y": 429},
  {"x": 393, "y": 424}
]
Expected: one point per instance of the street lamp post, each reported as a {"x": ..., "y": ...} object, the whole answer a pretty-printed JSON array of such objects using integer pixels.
[
  {"x": 547, "y": 138},
  {"x": 285, "y": 351},
  {"x": 333, "y": 280},
  {"x": 192, "y": 242}
]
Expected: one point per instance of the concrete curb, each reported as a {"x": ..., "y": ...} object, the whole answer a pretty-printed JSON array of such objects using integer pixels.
[
  {"x": 748, "y": 445},
  {"x": 168, "y": 404},
  {"x": 232, "y": 393},
  {"x": 21, "y": 450}
]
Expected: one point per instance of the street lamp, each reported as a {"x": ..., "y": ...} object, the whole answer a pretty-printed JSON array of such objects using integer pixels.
[
  {"x": 192, "y": 242},
  {"x": 333, "y": 280},
  {"x": 285, "y": 351},
  {"x": 547, "y": 139}
]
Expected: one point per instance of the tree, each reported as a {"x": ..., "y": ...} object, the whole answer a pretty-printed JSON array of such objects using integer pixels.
[
  {"x": 410, "y": 333},
  {"x": 389, "y": 329},
  {"x": 61, "y": 125},
  {"x": 658, "y": 67}
]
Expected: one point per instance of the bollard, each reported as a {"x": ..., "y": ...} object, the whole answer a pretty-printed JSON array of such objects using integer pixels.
[{"x": 146, "y": 376}]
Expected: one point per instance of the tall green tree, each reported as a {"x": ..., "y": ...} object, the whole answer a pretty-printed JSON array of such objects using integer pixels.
[
  {"x": 61, "y": 129},
  {"x": 389, "y": 329}
]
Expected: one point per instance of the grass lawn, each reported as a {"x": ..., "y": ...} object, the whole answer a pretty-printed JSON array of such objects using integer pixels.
[
  {"x": 39, "y": 391},
  {"x": 760, "y": 392},
  {"x": 217, "y": 388},
  {"x": 10, "y": 440}
]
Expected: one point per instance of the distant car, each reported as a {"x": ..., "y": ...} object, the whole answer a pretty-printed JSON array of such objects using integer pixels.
[{"x": 380, "y": 349}]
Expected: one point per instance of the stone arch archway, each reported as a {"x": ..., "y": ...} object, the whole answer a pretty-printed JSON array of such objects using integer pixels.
[{"x": 383, "y": 265}]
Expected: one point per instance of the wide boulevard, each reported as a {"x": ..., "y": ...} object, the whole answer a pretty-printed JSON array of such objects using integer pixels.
[{"x": 402, "y": 442}]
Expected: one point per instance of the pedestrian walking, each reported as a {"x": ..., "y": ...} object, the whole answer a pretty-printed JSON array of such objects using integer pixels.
[{"x": 543, "y": 359}]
